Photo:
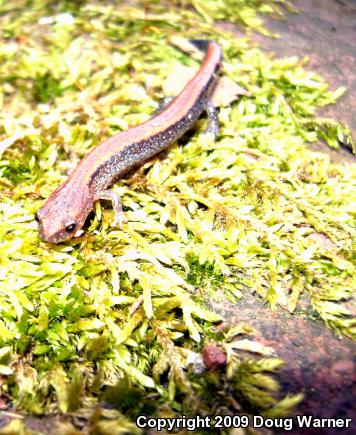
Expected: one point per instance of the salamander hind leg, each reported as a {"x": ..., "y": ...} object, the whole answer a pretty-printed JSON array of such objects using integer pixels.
[
  {"x": 163, "y": 104},
  {"x": 213, "y": 127},
  {"x": 114, "y": 197}
]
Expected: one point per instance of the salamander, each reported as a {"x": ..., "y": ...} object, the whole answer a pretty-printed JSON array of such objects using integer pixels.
[{"x": 66, "y": 210}]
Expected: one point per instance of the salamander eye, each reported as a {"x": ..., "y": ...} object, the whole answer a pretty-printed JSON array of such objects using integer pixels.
[{"x": 71, "y": 227}]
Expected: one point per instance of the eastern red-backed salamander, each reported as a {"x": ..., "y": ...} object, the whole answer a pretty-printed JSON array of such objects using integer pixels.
[{"x": 66, "y": 210}]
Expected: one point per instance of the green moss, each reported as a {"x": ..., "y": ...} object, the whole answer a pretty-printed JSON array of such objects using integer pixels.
[
  {"x": 46, "y": 88},
  {"x": 121, "y": 312}
]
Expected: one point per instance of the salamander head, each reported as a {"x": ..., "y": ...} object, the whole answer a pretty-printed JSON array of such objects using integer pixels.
[{"x": 63, "y": 214}]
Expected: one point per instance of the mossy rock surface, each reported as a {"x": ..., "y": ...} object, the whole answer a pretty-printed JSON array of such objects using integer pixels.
[{"x": 113, "y": 324}]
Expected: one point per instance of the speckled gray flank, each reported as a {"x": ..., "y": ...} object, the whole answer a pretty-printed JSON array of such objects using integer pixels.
[{"x": 137, "y": 153}]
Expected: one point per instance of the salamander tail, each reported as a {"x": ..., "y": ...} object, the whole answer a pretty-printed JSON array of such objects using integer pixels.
[{"x": 200, "y": 44}]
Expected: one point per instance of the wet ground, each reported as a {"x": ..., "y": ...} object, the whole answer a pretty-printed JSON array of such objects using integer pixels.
[
  {"x": 325, "y": 31},
  {"x": 319, "y": 363}
]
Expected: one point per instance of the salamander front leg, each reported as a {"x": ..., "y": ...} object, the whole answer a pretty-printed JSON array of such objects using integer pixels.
[
  {"x": 213, "y": 119},
  {"x": 114, "y": 197}
]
